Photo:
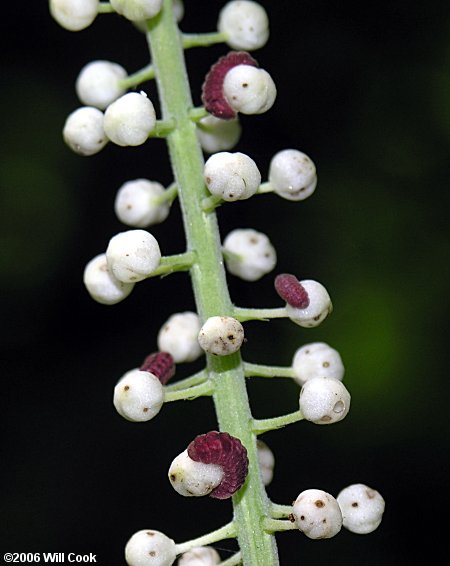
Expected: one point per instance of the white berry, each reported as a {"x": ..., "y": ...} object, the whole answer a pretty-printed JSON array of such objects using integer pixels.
[
  {"x": 133, "y": 255},
  {"x": 137, "y": 10},
  {"x": 138, "y": 396},
  {"x": 150, "y": 548},
  {"x": 194, "y": 479},
  {"x": 101, "y": 283},
  {"x": 324, "y": 400},
  {"x": 266, "y": 461},
  {"x": 231, "y": 176},
  {"x": 216, "y": 135},
  {"x": 362, "y": 508},
  {"x": 221, "y": 335},
  {"x": 317, "y": 514},
  {"x": 199, "y": 556},
  {"x": 74, "y": 15},
  {"x": 179, "y": 336},
  {"x": 245, "y": 23},
  {"x": 318, "y": 309},
  {"x": 136, "y": 203},
  {"x": 249, "y": 254},
  {"x": 249, "y": 90},
  {"x": 130, "y": 119},
  {"x": 98, "y": 83},
  {"x": 83, "y": 131},
  {"x": 292, "y": 174},
  {"x": 317, "y": 360}
]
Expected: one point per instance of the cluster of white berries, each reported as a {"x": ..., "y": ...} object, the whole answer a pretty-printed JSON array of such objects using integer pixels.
[
  {"x": 130, "y": 257},
  {"x": 319, "y": 515}
]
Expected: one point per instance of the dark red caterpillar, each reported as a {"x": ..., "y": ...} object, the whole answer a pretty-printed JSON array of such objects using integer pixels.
[
  {"x": 291, "y": 290},
  {"x": 226, "y": 451},
  {"x": 212, "y": 90},
  {"x": 161, "y": 365}
]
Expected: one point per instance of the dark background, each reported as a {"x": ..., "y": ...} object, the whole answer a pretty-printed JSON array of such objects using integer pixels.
[{"x": 366, "y": 93}]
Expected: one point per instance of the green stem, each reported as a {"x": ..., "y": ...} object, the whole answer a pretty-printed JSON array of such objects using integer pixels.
[
  {"x": 265, "y": 188},
  {"x": 259, "y": 370},
  {"x": 201, "y": 390},
  {"x": 264, "y": 425},
  {"x": 209, "y": 284},
  {"x": 274, "y": 525},
  {"x": 244, "y": 314},
  {"x": 227, "y": 531},
  {"x": 169, "y": 195},
  {"x": 145, "y": 74},
  {"x": 197, "y": 114},
  {"x": 105, "y": 8},
  {"x": 202, "y": 39},
  {"x": 233, "y": 560},
  {"x": 195, "y": 379},
  {"x": 171, "y": 263},
  {"x": 280, "y": 511}
]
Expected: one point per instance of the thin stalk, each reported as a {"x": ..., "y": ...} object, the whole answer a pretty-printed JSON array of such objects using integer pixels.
[
  {"x": 227, "y": 531},
  {"x": 258, "y": 370},
  {"x": 264, "y": 425},
  {"x": 231, "y": 402},
  {"x": 201, "y": 390}
]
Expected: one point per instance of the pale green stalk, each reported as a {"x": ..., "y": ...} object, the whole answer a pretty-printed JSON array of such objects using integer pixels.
[{"x": 250, "y": 503}]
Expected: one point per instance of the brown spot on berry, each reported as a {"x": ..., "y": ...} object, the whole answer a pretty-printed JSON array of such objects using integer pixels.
[
  {"x": 326, "y": 364},
  {"x": 226, "y": 451},
  {"x": 150, "y": 533},
  {"x": 161, "y": 365},
  {"x": 291, "y": 290},
  {"x": 126, "y": 388},
  {"x": 355, "y": 504},
  {"x": 212, "y": 89},
  {"x": 319, "y": 503},
  {"x": 173, "y": 477},
  {"x": 152, "y": 553},
  {"x": 291, "y": 518}
]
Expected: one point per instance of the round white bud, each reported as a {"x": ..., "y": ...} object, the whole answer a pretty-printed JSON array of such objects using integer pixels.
[
  {"x": 362, "y": 508},
  {"x": 150, "y": 548},
  {"x": 199, "y": 556},
  {"x": 194, "y": 479},
  {"x": 292, "y": 174},
  {"x": 101, "y": 284},
  {"x": 245, "y": 23},
  {"x": 266, "y": 461},
  {"x": 83, "y": 131},
  {"x": 98, "y": 83},
  {"x": 138, "y": 396},
  {"x": 317, "y": 360},
  {"x": 178, "y": 9},
  {"x": 216, "y": 135},
  {"x": 136, "y": 203},
  {"x": 249, "y": 90},
  {"x": 137, "y": 10},
  {"x": 179, "y": 336},
  {"x": 249, "y": 254},
  {"x": 221, "y": 335},
  {"x": 74, "y": 15},
  {"x": 324, "y": 400},
  {"x": 133, "y": 255},
  {"x": 130, "y": 119},
  {"x": 231, "y": 176},
  {"x": 317, "y": 310},
  {"x": 317, "y": 514}
]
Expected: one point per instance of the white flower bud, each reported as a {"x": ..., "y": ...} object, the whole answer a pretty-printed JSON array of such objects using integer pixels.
[
  {"x": 138, "y": 396},
  {"x": 150, "y": 548},
  {"x": 216, "y": 135},
  {"x": 178, "y": 9},
  {"x": 179, "y": 336},
  {"x": 221, "y": 335},
  {"x": 137, "y": 10},
  {"x": 317, "y": 310},
  {"x": 98, "y": 83},
  {"x": 231, "y": 176},
  {"x": 102, "y": 285},
  {"x": 199, "y": 556},
  {"x": 130, "y": 119},
  {"x": 83, "y": 131},
  {"x": 74, "y": 15},
  {"x": 266, "y": 461},
  {"x": 249, "y": 254},
  {"x": 324, "y": 400},
  {"x": 249, "y": 90},
  {"x": 292, "y": 174},
  {"x": 133, "y": 255},
  {"x": 362, "y": 508},
  {"x": 317, "y": 514},
  {"x": 245, "y": 23},
  {"x": 194, "y": 479},
  {"x": 137, "y": 203},
  {"x": 317, "y": 360}
]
